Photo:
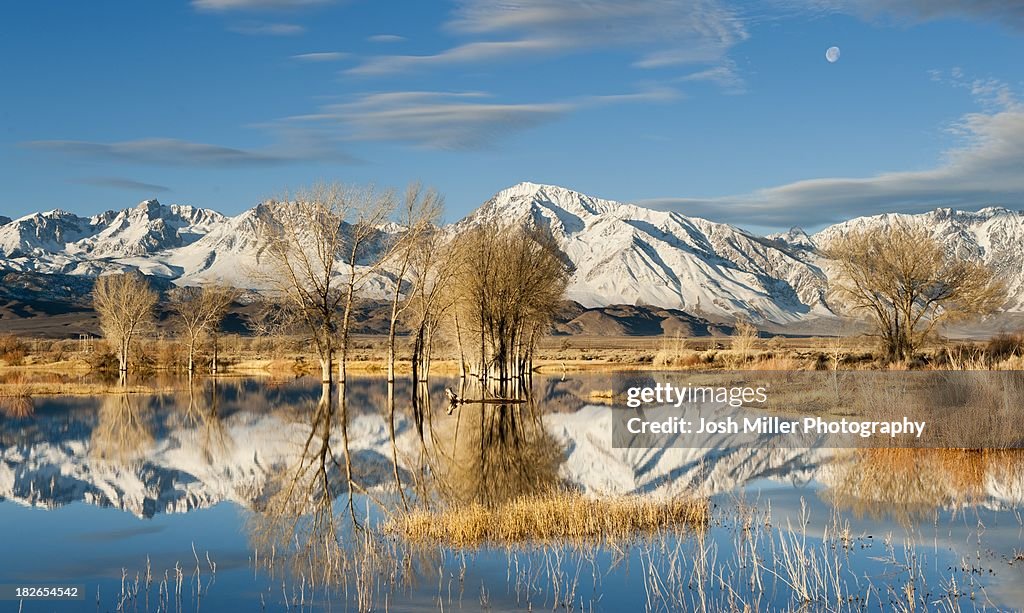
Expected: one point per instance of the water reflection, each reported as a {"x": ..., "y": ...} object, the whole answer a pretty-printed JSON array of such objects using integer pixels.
[
  {"x": 492, "y": 452},
  {"x": 123, "y": 434},
  {"x": 308, "y": 466},
  {"x": 910, "y": 485}
]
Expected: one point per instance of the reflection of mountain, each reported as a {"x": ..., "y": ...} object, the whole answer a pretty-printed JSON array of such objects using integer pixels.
[
  {"x": 94, "y": 450},
  {"x": 720, "y": 466},
  {"x": 186, "y": 453}
]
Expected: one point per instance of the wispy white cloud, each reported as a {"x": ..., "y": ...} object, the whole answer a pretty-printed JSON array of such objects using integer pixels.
[
  {"x": 385, "y": 38},
  {"x": 436, "y": 120},
  {"x": 255, "y": 28},
  {"x": 323, "y": 56},
  {"x": 661, "y": 32},
  {"x": 249, "y": 5},
  {"x": 121, "y": 183},
  {"x": 984, "y": 169},
  {"x": 725, "y": 75},
  {"x": 463, "y": 54},
  {"x": 1006, "y": 12},
  {"x": 451, "y": 120},
  {"x": 175, "y": 152}
]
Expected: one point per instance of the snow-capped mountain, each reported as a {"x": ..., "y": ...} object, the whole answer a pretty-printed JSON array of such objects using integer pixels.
[
  {"x": 994, "y": 235},
  {"x": 621, "y": 253}
]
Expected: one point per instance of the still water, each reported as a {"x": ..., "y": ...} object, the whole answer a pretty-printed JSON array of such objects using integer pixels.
[{"x": 155, "y": 502}]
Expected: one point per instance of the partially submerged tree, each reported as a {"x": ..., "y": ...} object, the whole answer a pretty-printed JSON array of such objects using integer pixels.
[
  {"x": 305, "y": 245},
  {"x": 368, "y": 211},
  {"x": 906, "y": 282},
  {"x": 124, "y": 303},
  {"x": 200, "y": 311},
  {"x": 317, "y": 240},
  {"x": 420, "y": 214},
  {"x": 509, "y": 285}
]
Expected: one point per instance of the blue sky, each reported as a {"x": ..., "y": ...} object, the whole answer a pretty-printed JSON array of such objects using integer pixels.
[{"x": 728, "y": 110}]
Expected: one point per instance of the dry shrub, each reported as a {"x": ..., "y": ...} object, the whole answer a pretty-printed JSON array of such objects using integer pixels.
[
  {"x": 554, "y": 517},
  {"x": 1014, "y": 363},
  {"x": 16, "y": 398},
  {"x": 1003, "y": 346},
  {"x": 12, "y": 350},
  {"x": 103, "y": 359},
  {"x": 774, "y": 362},
  {"x": 676, "y": 359},
  {"x": 170, "y": 355}
]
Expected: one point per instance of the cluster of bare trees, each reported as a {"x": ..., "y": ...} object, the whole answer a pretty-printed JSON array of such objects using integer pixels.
[
  {"x": 506, "y": 288},
  {"x": 494, "y": 287},
  {"x": 907, "y": 283},
  {"x": 490, "y": 290},
  {"x": 126, "y": 306}
]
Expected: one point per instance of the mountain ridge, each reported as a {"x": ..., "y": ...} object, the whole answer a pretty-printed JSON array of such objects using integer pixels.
[{"x": 621, "y": 253}]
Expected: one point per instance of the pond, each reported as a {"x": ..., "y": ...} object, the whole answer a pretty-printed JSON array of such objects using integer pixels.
[{"x": 159, "y": 502}]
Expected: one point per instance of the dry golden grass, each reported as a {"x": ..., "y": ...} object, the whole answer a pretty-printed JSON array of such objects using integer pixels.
[
  {"x": 563, "y": 517},
  {"x": 31, "y": 388}
]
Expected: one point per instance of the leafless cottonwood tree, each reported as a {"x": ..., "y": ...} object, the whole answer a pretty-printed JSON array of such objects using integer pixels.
[
  {"x": 907, "y": 283},
  {"x": 200, "y": 311},
  {"x": 124, "y": 303},
  {"x": 431, "y": 300},
  {"x": 509, "y": 284},
  {"x": 420, "y": 213},
  {"x": 369, "y": 210},
  {"x": 314, "y": 237}
]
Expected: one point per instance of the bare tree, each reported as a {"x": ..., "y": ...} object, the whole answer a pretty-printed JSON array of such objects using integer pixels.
[
  {"x": 420, "y": 213},
  {"x": 305, "y": 243},
  {"x": 124, "y": 303},
  {"x": 510, "y": 283},
  {"x": 432, "y": 275},
  {"x": 369, "y": 211},
  {"x": 200, "y": 311},
  {"x": 907, "y": 283}
]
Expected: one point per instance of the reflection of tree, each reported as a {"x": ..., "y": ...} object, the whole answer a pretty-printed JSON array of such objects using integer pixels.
[
  {"x": 17, "y": 407},
  {"x": 202, "y": 414},
  {"x": 122, "y": 432},
  {"x": 299, "y": 509},
  {"x": 909, "y": 484},
  {"x": 494, "y": 453}
]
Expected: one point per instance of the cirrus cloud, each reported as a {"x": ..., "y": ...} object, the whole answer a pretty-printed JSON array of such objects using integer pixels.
[
  {"x": 249, "y": 5},
  {"x": 660, "y": 32},
  {"x": 164, "y": 151},
  {"x": 984, "y": 170}
]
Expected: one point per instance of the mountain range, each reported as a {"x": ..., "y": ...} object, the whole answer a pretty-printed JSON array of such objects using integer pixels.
[{"x": 622, "y": 254}]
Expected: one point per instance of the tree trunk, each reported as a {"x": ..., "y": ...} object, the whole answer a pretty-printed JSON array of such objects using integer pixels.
[
  {"x": 391, "y": 347},
  {"x": 325, "y": 369}
]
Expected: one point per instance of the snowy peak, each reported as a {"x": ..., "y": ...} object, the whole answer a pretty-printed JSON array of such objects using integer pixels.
[
  {"x": 147, "y": 228},
  {"x": 620, "y": 253},
  {"x": 993, "y": 235},
  {"x": 627, "y": 254}
]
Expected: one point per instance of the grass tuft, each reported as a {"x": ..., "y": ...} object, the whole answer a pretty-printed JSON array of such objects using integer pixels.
[{"x": 563, "y": 517}]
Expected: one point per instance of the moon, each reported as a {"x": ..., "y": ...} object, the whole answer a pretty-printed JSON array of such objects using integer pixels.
[{"x": 832, "y": 55}]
